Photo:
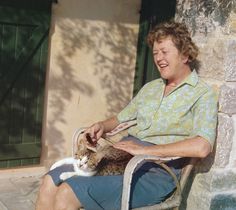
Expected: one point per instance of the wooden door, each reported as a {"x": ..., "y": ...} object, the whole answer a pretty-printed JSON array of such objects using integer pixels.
[{"x": 24, "y": 30}]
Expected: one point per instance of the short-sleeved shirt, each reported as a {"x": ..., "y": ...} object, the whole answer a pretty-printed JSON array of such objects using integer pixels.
[{"x": 187, "y": 111}]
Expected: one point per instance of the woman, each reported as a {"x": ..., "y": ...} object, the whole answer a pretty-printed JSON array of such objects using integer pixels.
[{"x": 176, "y": 116}]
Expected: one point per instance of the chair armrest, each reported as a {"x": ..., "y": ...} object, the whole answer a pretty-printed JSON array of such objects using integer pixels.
[
  {"x": 136, "y": 162},
  {"x": 75, "y": 139}
]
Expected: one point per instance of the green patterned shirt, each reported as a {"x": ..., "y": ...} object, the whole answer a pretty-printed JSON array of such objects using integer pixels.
[{"x": 189, "y": 110}]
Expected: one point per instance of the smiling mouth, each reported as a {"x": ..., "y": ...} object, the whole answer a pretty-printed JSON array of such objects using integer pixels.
[{"x": 162, "y": 66}]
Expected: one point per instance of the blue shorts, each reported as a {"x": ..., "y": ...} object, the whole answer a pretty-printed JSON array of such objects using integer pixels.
[{"x": 151, "y": 184}]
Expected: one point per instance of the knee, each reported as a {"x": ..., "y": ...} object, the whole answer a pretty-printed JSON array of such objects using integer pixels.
[
  {"x": 47, "y": 187},
  {"x": 60, "y": 201},
  {"x": 46, "y": 194},
  {"x": 65, "y": 198}
]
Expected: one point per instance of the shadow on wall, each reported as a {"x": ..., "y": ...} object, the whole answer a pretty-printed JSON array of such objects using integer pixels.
[
  {"x": 113, "y": 48},
  {"x": 62, "y": 88},
  {"x": 112, "y": 45}
]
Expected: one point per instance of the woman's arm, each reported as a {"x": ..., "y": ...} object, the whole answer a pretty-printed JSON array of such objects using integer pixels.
[
  {"x": 96, "y": 130},
  {"x": 194, "y": 147}
]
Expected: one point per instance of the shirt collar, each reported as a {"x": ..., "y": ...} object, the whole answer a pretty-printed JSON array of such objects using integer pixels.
[{"x": 192, "y": 79}]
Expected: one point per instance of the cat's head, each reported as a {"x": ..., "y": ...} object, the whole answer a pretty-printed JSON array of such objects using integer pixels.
[
  {"x": 88, "y": 152},
  {"x": 95, "y": 159},
  {"x": 85, "y": 147}
]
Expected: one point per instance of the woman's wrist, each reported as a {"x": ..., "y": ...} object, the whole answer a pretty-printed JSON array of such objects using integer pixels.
[{"x": 101, "y": 125}]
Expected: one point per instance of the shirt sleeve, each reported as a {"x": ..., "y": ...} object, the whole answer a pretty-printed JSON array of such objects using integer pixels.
[
  {"x": 205, "y": 116},
  {"x": 129, "y": 112}
]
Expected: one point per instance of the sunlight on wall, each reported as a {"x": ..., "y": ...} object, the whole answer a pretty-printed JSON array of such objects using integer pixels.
[{"x": 91, "y": 70}]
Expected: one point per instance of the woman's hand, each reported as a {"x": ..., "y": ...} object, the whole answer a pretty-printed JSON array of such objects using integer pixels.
[
  {"x": 95, "y": 131},
  {"x": 131, "y": 147}
]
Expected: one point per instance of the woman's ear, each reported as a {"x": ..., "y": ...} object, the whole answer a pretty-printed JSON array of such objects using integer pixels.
[{"x": 185, "y": 58}]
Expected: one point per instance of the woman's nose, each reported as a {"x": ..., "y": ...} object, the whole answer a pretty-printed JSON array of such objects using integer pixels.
[{"x": 158, "y": 56}]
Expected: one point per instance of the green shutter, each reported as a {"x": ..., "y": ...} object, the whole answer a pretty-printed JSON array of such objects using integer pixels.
[
  {"x": 24, "y": 30},
  {"x": 152, "y": 12}
]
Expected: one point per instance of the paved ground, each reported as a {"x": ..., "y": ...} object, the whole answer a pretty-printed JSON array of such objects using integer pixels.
[{"x": 19, "y": 191}]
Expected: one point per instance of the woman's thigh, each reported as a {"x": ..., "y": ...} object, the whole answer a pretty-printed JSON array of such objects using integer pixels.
[{"x": 150, "y": 185}]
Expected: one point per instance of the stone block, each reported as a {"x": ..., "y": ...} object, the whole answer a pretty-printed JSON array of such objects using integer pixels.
[
  {"x": 224, "y": 140},
  {"x": 227, "y": 100},
  {"x": 198, "y": 198},
  {"x": 198, "y": 194},
  {"x": 224, "y": 201},
  {"x": 212, "y": 58},
  {"x": 209, "y": 189},
  {"x": 223, "y": 180},
  {"x": 206, "y": 16},
  {"x": 2, "y": 206},
  {"x": 232, "y": 162},
  {"x": 232, "y": 23},
  {"x": 230, "y": 61}
]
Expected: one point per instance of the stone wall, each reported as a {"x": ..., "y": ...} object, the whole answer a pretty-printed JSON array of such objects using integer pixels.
[{"x": 213, "y": 24}]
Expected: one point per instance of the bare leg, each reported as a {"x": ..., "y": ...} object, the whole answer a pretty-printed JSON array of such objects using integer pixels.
[
  {"x": 47, "y": 193},
  {"x": 66, "y": 199}
]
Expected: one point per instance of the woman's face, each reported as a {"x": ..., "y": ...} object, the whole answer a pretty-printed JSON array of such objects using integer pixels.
[{"x": 168, "y": 59}]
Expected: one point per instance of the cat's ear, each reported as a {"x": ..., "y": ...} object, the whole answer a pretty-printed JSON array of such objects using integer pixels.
[
  {"x": 83, "y": 141},
  {"x": 82, "y": 144}
]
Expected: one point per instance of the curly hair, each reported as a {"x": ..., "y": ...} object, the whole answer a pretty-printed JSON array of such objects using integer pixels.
[{"x": 180, "y": 36}]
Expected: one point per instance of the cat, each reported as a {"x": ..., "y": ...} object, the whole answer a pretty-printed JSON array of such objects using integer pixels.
[{"x": 95, "y": 159}]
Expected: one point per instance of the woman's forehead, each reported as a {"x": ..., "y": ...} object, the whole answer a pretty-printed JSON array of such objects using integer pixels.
[{"x": 165, "y": 42}]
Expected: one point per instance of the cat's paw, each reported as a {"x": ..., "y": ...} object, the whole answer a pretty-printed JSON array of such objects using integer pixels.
[
  {"x": 66, "y": 175},
  {"x": 63, "y": 176}
]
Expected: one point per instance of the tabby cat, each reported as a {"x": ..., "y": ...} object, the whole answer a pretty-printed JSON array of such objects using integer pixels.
[{"x": 94, "y": 159}]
